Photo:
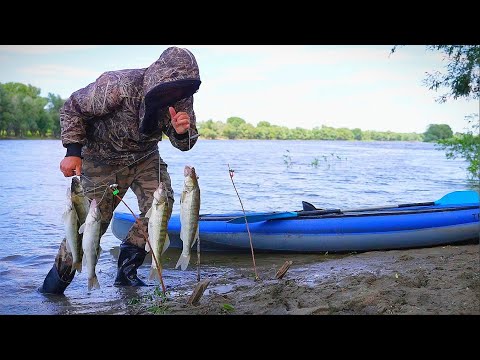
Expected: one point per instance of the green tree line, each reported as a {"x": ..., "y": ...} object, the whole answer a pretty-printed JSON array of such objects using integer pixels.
[
  {"x": 24, "y": 113},
  {"x": 238, "y": 128}
]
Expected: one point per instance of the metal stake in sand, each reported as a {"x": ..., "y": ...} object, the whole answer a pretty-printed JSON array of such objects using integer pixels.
[{"x": 246, "y": 222}]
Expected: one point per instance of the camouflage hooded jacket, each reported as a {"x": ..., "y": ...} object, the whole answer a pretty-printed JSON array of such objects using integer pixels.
[{"x": 122, "y": 116}]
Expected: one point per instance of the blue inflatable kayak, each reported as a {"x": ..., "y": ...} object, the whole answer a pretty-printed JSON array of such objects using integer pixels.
[{"x": 452, "y": 219}]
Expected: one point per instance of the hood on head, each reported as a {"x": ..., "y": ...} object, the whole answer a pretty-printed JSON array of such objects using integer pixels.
[{"x": 173, "y": 77}]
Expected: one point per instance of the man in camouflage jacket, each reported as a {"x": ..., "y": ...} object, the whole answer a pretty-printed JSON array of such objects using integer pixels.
[{"x": 111, "y": 129}]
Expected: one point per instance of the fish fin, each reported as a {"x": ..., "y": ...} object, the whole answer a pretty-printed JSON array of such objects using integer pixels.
[
  {"x": 81, "y": 228},
  {"x": 183, "y": 261},
  {"x": 195, "y": 239},
  {"x": 93, "y": 283},
  {"x": 149, "y": 213},
  {"x": 166, "y": 244},
  {"x": 67, "y": 245},
  {"x": 77, "y": 266},
  {"x": 153, "y": 274}
]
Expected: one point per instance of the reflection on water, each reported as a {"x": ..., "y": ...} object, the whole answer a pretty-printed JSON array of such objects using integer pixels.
[{"x": 326, "y": 174}]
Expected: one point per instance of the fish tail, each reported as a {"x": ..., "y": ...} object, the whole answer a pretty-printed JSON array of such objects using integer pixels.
[
  {"x": 183, "y": 261},
  {"x": 167, "y": 244},
  {"x": 153, "y": 274},
  {"x": 93, "y": 283},
  {"x": 77, "y": 266}
]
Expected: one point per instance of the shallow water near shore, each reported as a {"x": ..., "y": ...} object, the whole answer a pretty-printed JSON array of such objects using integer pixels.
[{"x": 269, "y": 176}]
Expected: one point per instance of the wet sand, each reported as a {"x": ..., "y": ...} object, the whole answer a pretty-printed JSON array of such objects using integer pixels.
[{"x": 427, "y": 281}]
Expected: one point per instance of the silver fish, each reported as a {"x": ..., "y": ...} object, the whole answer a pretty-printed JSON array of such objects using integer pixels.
[
  {"x": 91, "y": 243},
  {"x": 189, "y": 215},
  {"x": 74, "y": 240},
  {"x": 158, "y": 216},
  {"x": 80, "y": 201}
]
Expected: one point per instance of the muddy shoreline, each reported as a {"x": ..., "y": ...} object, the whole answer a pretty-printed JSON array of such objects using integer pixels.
[{"x": 427, "y": 281}]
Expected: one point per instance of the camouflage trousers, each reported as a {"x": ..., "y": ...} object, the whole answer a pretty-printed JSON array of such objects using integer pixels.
[{"x": 142, "y": 178}]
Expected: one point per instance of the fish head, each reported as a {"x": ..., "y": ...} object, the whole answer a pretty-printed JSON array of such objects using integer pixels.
[
  {"x": 160, "y": 194},
  {"x": 94, "y": 211},
  {"x": 187, "y": 170},
  {"x": 76, "y": 187}
]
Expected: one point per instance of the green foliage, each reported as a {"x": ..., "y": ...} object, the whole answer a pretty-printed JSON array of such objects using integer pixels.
[
  {"x": 237, "y": 128},
  {"x": 327, "y": 160},
  {"x": 357, "y": 134},
  {"x": 462, "y": 79},
  {"x": 462, "y": 75},
  {"x": 55, "y": 102},
  {"x": 155, "y": 303},
  {"x": 287, "y": 159},
  {"x": 23, "y": 112},
  {"x": 437, "y": 132},
  {"x": 227, "y": 308},
  {"x": 463, "y": 72},
  {"x": 235, "y": 121},
  {"x": 466, "y": 146}
]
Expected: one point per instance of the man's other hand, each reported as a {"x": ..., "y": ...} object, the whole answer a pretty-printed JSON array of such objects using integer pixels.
[{"x": 180, "y": 120}]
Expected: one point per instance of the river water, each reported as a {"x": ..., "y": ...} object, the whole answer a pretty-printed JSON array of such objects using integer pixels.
[{"x": 269, "y": 175}]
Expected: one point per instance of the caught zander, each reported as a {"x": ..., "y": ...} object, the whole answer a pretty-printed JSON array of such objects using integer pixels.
[
  {"x": 73, "y": 238},
  {"x": 74, "y": 216},
  {"x": 158, "y": 216},
  {"x": 189, "y": 215},
  {"x": 91, "y": 243},
  {"x": 80, "y": 201}
]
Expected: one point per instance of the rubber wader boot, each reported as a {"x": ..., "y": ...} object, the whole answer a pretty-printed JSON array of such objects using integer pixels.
[
  {"x": 54, "y": 284},
  {"x": 129, "y": 260}
]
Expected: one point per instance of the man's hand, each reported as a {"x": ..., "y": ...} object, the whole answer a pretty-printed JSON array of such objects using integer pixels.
[
  {"x": 180, "y": 120},
  {"x": 71, "y": 165}
]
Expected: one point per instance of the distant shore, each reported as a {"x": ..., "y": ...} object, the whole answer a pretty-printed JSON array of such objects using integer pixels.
[
  {"x": 54, "y": 138},
  {"x": 30, "y": 138}
]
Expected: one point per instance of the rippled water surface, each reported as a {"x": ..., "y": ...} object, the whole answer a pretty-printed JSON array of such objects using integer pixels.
[{"x": 269, "y": 175}]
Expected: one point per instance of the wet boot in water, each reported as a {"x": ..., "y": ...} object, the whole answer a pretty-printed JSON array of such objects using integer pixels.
[
  {"x": 129, "y": 260},
  {"x": 61, "y": 274},
  {"x": 54, "y": 283}
]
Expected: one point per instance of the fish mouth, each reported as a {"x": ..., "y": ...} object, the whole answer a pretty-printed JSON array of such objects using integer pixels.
[
  {"x": 76, "y": 186},
  {"x": 189, "y": 171}
]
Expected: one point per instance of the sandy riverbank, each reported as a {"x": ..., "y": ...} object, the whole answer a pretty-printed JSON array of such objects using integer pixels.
[{"x": 427, "y": 281}]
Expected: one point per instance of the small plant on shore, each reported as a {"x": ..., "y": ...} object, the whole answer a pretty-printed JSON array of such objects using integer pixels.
[
  {"x": 227, "y": 308},
  {"x": 159, "y": 299}
]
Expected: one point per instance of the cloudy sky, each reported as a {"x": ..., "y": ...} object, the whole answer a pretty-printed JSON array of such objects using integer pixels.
[{"x": 353, "y": 86}]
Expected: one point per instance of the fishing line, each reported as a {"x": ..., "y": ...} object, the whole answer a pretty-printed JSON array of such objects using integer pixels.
[{"x": 128, "y": 165}]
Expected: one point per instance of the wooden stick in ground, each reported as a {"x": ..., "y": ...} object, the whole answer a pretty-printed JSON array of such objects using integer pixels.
[
  {"x": 246, "y": 222},
  {"x": 283, "y": 270},
  {"x": 198, "y": 292},
  {"x": 198, "y": 258},
  {"x": 140, "y": 226}
]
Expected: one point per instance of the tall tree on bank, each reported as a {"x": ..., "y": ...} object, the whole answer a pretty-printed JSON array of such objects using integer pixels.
[
  {"x": 55, "y": 102},
  {"x": 462, "y": 80}
]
